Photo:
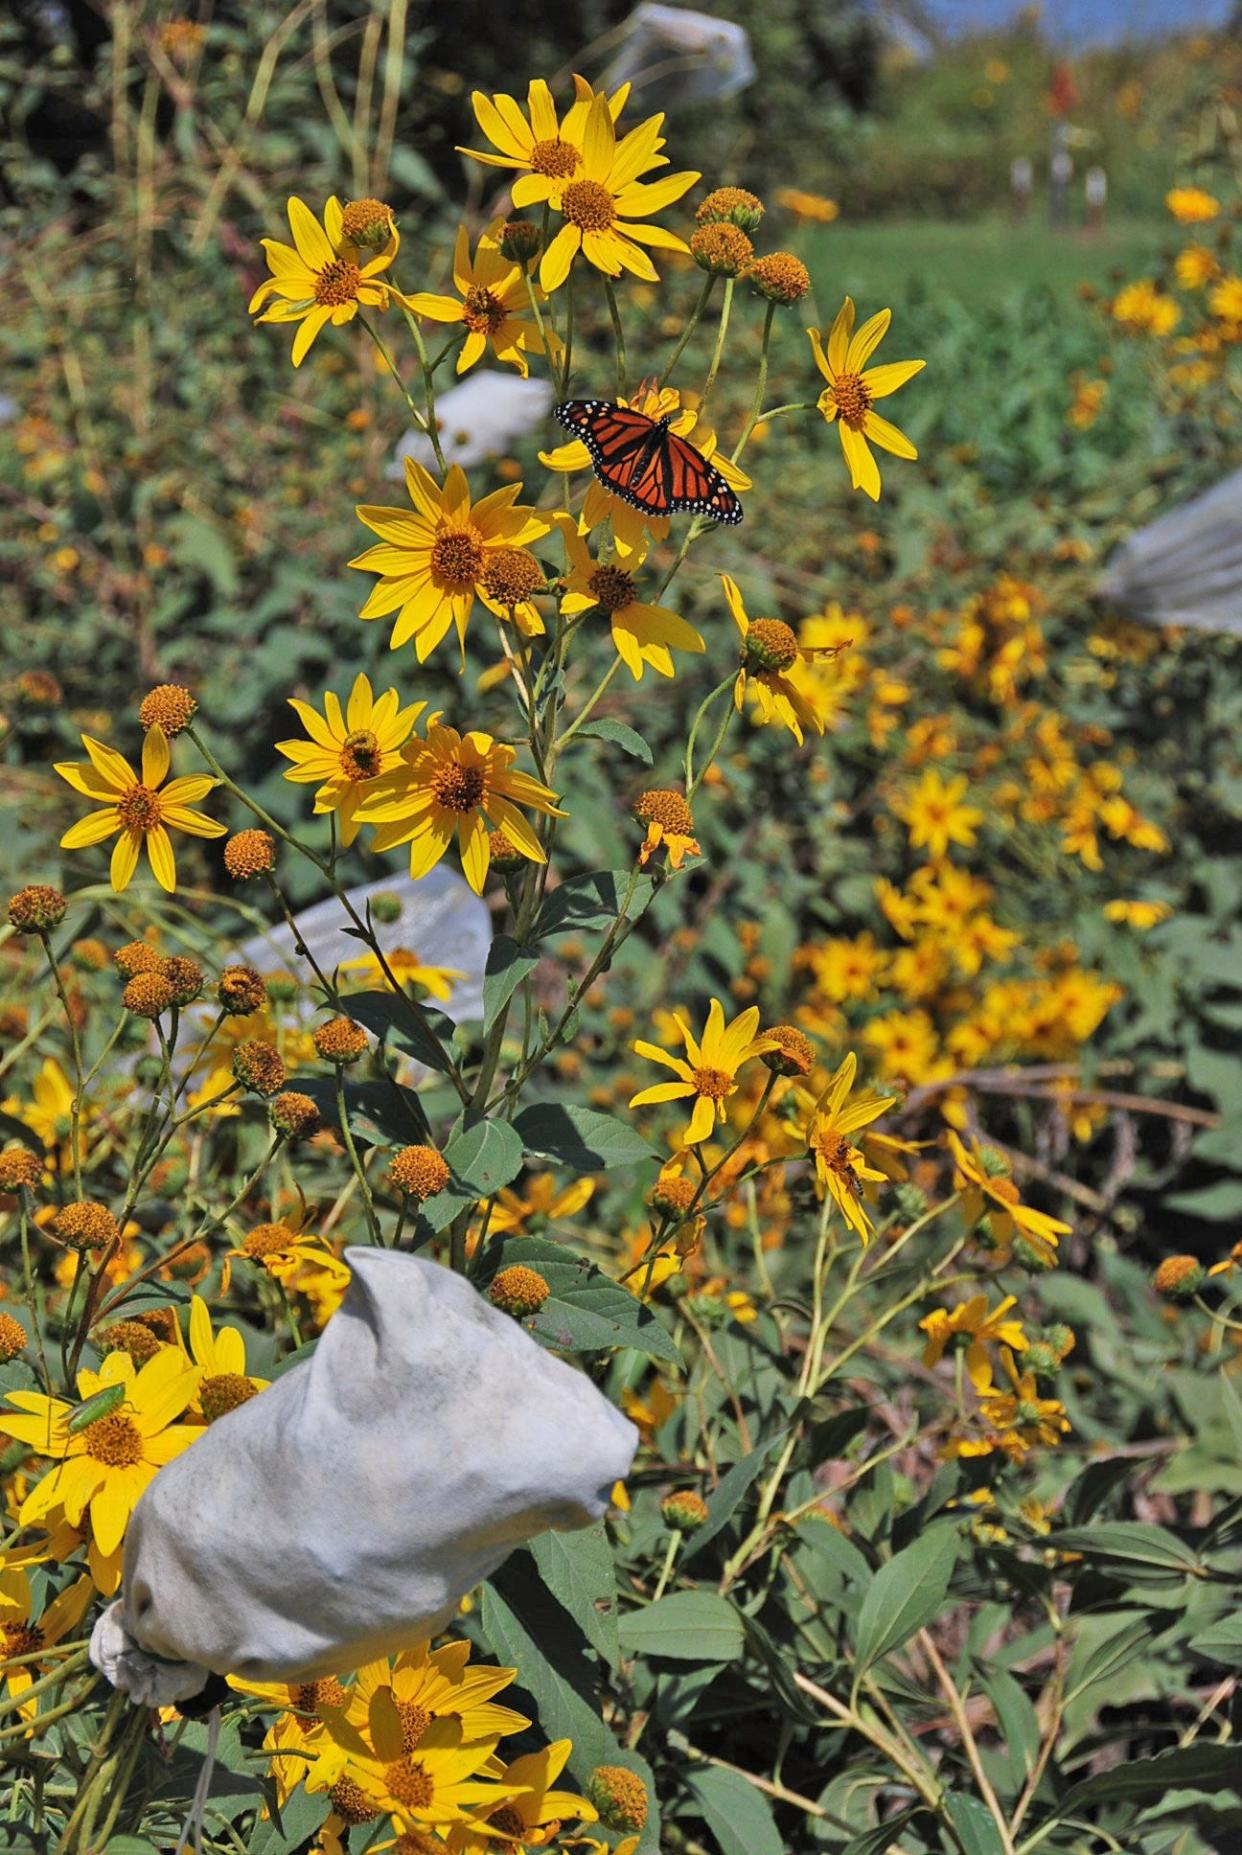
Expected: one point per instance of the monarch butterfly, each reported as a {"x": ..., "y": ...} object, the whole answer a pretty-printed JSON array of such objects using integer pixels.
[{"x": 646, "y": 464}]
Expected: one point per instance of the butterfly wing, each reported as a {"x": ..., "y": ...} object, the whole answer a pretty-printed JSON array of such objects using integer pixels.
[{"x": 641, "y": 461}]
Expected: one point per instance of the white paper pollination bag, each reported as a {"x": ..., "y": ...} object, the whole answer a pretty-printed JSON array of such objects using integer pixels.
[{"x": 342, "y": 1514}]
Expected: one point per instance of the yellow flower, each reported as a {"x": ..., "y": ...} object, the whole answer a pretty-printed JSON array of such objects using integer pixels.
[
  {"x": 546, "y": 151},
  {"x": 813, "y": 206},
  {"x": 1142, "y": 307},
  {"x": 531, "y": 1818},
  {"x": 220, "y": 1358},
  {"x": 840, "y": 1166},
  {"x": 1225, "y": 300},
  {"x": 432, "y": 559},
  {"x": 710, "y": 1074},
  {"x": 456, "y": 784},
  {"x": 630, "y": 526},
  {"x": 366, "y": 973},
  {"x": 604, "y": 202},
  {"x": 318, "y": 279},
  {"x": 1019, "y": 1417},
  {"x": 1195, "y": 266},
  {"x": 346, "y": 750},
  {"x": 770, "y": 649},
  {"x": 540, "y": 1202},
  {"x": 984, "y": 1189},
  {"x": 850, "y": 392},
  {"x": 139, "y": 809},
  {"x": 106, "y": 1465},
  {"x": 492, "y": 304},
  {"x": 970, "y": 1320},
  {"x": 49, "y": 1113},
  {"x": 1191, "y": 205},
  {"x": 1140, "y": 915},
  {"x": 936, "y": 814},
  {"x": 429, "y": 1786},
  {"x": 429, "y": 1684},
  {"x": 642, "y": 634},
  {"x": 23, "y": 1634}
]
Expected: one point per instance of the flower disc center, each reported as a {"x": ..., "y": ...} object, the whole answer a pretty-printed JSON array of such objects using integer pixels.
[
  {"x": 714, "y": 1083},
  {"x": 853, "y": 397},
  {"x": 589, "y": 205},
  {"x": 483, "y": 312},
  {"x": 337, "y": 283},
  {"x": 459, "y": 788},
  {"x": 361, "y": 755},
  {"x": 139, "y": 808},
  {"x": 555, "y": 158},
  {"x": 613, "y": 587},
  {"x": 457, "y": 558},
  {"x": 114, "y": 1440}
]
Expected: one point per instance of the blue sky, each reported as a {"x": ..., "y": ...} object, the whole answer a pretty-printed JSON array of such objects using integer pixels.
[{"x": 1079, "y": 22}]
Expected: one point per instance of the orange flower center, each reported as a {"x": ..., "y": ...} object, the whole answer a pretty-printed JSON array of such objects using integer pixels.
[
  {"x": 613, "y": 587},
  {"x": 853, "y": 397},
  {"x": 457, "y": 557},
  {"x": 309, "y": 1696},
  {"x": 361, "y": 755},
  {"x": 223, "y": 1392},
  {"x": 337, "y": 283},
  {"x": 20, "y": 1639},
  {"x": 834, "y": 1149},
  {"x": 507, "y": 1822},
  {"x": 714, "y": 1083},
  {"x": 139, "y": 808},
  {"x": 588, "y": 205},
  {"x": 409, "y": 1785},
  {"x": 771, "y": 644},
  {"x": 414, "y": 1722},
  {"x": 1004, "y": 1189},
  {"x": 557, "y": 159},
  {"x": 115, "y": 1440},
  {"x": 459, "y": 788},
  {"x": 350, "y": 1801},
  {"x": 483, "y": 311}
]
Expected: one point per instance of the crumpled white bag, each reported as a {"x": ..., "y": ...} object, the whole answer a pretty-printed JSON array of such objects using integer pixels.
[
  {"x": 342, "y": 1514},
  {"x": 673, "y": 56}
]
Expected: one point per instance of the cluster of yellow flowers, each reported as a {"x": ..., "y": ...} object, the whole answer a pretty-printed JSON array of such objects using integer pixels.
[{"x": 1195, "y": 308}]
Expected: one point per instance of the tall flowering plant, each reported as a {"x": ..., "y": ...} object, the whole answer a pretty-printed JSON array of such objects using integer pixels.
[{"x": 735, "y": 1233}]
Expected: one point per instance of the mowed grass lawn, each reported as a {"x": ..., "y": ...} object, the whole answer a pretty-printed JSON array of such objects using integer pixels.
[{"x": 975, "y": 263}]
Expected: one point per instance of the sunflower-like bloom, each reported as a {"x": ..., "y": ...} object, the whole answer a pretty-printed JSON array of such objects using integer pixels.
[
  {"x": 605, "y": 204},
  {"x": 533, "y": 1815},
  {"x": 433, "y": 559},
  {"x": 631, "y": 527},
  {"x": 433, "y": 1684},
  {"x": 985, "y": 1190},
  {"x": 220, "y": 1362},
  {"x": 1019, "y": 1417},
  {"x": 642, "y": 635},
  {"x": 140, "y": 809},
  {"x": 320, "y": 277},
  {"x": 452, "y": 784},
  {"x": 971, "y": 1321},
  {"x": 708, "y": 1071},
  {"x": 545, "y": 151},
  {"x": 106, "y": 1465},
  {"x": 770, "y": 650},
  {"x": 21, "y": 1636},
  {"x": 852, "y": 389},
  {"x": 428, "y": 1784},
  {"x": 840, "y": 1166},
  {"x": 936, "y": 814},
  {"x": 367, "y": 974},
  {"x": 491, "y": 304},
  {"x": 541, "y": 1202},
  {"x": 347, "y": 749}
]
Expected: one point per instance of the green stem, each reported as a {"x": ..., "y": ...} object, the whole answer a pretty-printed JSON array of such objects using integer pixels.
[
  {"x": 760, "y": 385},
  {"x": 696, "y": 724},
  {"x": 618, "y": 334},
  {"x": 666, "y": 1570},
  {"x": 347, "y": 1135},
  {"x": 696, "y": 315},
  {"x": 726, "y": 306},
  {"x": 596, "y": 695},
  {"x": 425, "y": 425},
  {"x": 75, "y": 1046}
]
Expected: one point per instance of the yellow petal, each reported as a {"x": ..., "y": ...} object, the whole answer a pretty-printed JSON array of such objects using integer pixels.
[{"x": 155, "y": 756}]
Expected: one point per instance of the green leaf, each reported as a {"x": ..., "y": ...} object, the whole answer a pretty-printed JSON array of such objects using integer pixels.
[
  {"x": 592, "y": 901},
  {"x": 686, "y": 1626},
  {"x": 380, "y": 1113},
  {"x": 286, "y": 1829},
  {"x": 974, "y": 1823},
  {"x": 507, "y": 966},
  {"x": 728, "y": 1496},
  {"x": 1195, "y": 1767},
  {"x": 1130, "y": 1548},
  {"x": 1221, "y": 1641},
  {"x": 622, "y": 736},
  {"x": 906, "y": 1592},
  {"x": 580, "y": 1138},
  {"x": 481, "y": 1159},
  {"x": 1232, "y": 1405},
  {"x": 586, "y": 1311},
  {"x": 414, "y": 1029},
  {"x": 1111, "y": 1655},
  {"x": 579, "y": 1570},
  {"x": 528, "y": 1629},
  {"x": 1218, "y": 1204},
  {"x": 1017, "y": 1720},
  {"x": 739, "y": 1816}
]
